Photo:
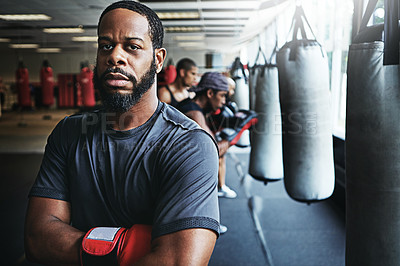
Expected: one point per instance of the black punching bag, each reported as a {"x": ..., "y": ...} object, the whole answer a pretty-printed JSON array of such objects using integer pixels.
[
  {"x": 373, "y": 143},
  {"x": 306, "y": 117}
]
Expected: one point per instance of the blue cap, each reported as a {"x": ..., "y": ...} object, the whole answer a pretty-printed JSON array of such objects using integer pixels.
[{"x": 211, "y": 80}]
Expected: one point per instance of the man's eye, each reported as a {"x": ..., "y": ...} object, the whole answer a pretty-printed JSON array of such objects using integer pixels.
[
  {"x": 133, "y": 47},
  {"x": 106, "y": 47}
]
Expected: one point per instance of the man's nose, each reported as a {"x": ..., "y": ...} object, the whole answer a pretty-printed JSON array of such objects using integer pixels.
[{"x": 117, "y": 57}]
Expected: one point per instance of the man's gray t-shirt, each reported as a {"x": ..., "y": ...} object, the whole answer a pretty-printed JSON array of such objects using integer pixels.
[{"x": 163, "y": 173}]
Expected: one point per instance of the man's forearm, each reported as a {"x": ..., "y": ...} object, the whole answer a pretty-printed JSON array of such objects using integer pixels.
[
  {"x": 185, "y": 247},
  {"x": 223, "y": 147},
  {"x": 54, "y": 243}
]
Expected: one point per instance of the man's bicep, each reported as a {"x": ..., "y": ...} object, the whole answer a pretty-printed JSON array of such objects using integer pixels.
[
  {"x": 186, "y": 247},
  {"x": 199, "y": 118},
  {"x": 45, "y": 209}
]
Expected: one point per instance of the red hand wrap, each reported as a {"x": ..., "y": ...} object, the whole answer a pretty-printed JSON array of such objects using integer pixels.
[
  {"x": 135, "y": 244},
  {"x": 115, "y": 245}
]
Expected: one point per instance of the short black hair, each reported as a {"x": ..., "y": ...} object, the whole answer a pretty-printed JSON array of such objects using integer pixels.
[
  {"x": 156, "y": 28},
  {"x": 185, "y": 63}
]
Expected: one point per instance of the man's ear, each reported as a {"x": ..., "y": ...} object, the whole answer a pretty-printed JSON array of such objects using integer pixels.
[
  {"x": 210, "y": 93},
  {"x": 182, "y": 72},
  {"x": 160, "y": 54}
]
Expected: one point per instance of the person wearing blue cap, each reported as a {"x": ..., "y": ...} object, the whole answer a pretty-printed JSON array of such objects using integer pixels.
[{"x": 211, "y": 93}]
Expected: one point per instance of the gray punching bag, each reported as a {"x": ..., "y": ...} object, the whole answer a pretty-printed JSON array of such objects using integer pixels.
[
  {"x": 373, "y": 144},
  {"x": 253, "y": 75},
  {"x": 241, "y": 96},
  {"x": 306, "y": 117},
  {"x": 265, "y": 162}
]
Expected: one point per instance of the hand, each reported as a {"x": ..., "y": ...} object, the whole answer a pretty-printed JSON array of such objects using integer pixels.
[{"x": 220, "y": 118}]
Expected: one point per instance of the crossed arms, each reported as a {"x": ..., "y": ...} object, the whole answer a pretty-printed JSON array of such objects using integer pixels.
[{"x": 50, "y": 239}]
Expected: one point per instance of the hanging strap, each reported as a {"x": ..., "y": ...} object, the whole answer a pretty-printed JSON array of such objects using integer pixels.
[
  {"x": 368, "y": 13},
  {"x": 258, "y": 55},
  {"x": 391, "y": 36},
  {"x": 391, "y": 29},
  {"x": 253, "y": 69},
  {"x": 276, "y": 44},
  {"x": 298, "y": 25},
  {"x": 298, "y": 18}
]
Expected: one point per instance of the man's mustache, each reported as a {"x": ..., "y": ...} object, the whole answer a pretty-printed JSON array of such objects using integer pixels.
[{"x": 120, "y": 71}]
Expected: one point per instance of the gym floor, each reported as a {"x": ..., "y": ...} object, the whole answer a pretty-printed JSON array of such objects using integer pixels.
[{"x": 265, "y": 226}]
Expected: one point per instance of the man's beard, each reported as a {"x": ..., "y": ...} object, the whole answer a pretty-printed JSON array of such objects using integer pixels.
[{"x": 121, "y": 103}]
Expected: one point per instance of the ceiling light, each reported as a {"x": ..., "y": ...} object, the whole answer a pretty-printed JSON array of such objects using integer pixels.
[
  {"x": 182, "y": 29},
  {"x": 178, "y": 15},
  {"x": 5, "y": 40},
  {"x": 85, "y": 39},
  {"x": 48, "y": 50},
  {"x": 189, "y": 38},
  {"x": 234, "y": 14},
  {"x": 25, "y": 17},
  {"x": 191, "y": 44},
  {"x": 24, "y": 45},
  {"x": 63, "y": 30}
]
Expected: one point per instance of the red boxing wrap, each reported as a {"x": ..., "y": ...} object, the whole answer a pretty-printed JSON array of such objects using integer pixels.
[
  {"x": 136, "y": 244},
  {"x": 115, "y": 245}
]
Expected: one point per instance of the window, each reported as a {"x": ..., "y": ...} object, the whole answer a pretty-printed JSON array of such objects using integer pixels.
[{"x": 331, "y": 22}]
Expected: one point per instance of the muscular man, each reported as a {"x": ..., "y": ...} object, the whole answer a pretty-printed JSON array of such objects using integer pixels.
[
  {"x": 177, "y": 91},
  {"x": 110, "y": 176}
]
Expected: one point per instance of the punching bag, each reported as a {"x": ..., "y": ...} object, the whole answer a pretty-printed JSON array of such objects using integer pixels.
[
  {"x": 372, "y": 143},
  {"x": 306, "y": 117},
  {"x": 47, "y": 84},
  {"x": 170, "y": 72},
  {"x": 87, "y": 88},
  {"x": 66, "y": 90},
  {"x": 241, "y": 96},
  {"x": 22, "y": 82},
  {"x": 266, "y": 162},
  {"x": 253, "y": 76}
]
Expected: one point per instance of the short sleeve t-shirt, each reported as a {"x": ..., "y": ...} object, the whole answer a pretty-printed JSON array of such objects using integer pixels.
[{"x": 163, "y": 173}]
